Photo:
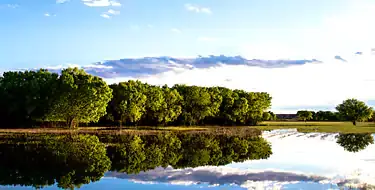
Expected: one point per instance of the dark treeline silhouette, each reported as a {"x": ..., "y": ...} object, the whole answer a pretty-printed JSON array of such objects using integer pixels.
[
  {"x": 42, "y": 98},
  {"x": 319, "y": 116},
  {"x": 73, "y": 160}
]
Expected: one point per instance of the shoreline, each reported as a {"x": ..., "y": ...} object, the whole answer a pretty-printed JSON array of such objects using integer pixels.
[{"x": 303, "y": 127}]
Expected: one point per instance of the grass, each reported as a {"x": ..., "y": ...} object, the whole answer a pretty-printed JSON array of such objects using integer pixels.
[
  {"x": 214, "y": 130},
  {"x": 327, "y": 127},
  {"x": 305, "y": 127}
]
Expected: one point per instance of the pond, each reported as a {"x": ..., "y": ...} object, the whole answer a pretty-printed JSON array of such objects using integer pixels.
[{"x": 280, "y": 159}]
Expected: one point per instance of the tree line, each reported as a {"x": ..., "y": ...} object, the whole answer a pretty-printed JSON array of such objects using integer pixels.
[
  {"x": 349, "y": 110},
  {"x": 35, "y": 98},
  {"x": 42, "y": 98}
]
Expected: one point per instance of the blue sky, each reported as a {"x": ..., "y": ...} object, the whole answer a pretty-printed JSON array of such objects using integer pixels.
[{"x": 46, "y": 32}]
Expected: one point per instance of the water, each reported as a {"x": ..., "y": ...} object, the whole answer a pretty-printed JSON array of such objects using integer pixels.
[{"x": 293, "y": 161}]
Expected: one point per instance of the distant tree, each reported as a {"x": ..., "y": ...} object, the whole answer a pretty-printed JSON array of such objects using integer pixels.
[
  {"x": 273, "y": 116},
  {"x": 266, "y": 116},
  {"x": 82, "y": 98},
  {"x": 354, "y": 110},
  {"x": 304, "y": 115},
  {"x": 373, "y": 116}
]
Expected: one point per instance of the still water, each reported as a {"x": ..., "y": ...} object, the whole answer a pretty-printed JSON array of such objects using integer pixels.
[{"x": 280, "y": 159}]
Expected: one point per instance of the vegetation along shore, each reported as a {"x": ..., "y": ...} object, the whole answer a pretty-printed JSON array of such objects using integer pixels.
[{"x": 42, "y": 101}]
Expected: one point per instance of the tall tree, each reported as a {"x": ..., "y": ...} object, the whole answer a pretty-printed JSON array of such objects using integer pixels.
[
  {"x": 197, "y": 104},
  {"x": 354, "y": 110},
  {"x": 83, "y": 98},
  {"x": 129, "y": 101},
  {"x": 171, "y": 108}
]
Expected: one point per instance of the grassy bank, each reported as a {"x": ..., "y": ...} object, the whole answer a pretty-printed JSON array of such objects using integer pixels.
[
  {"x": 306, "y": 127},
  {"x": 231, "y": 131},
  {"x": 327, "y": 127}
]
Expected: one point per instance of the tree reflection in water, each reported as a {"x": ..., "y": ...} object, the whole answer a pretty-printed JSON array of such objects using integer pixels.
[
  {"x": 69, "y": 161},
  {"x": 355, "y": 142},
  {"x": 72, "y": 160}
]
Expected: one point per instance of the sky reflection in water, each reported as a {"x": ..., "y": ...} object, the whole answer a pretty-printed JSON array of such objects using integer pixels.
[
  {"x": 299, "y": 161},
  {"x": 296, "y": 157}
]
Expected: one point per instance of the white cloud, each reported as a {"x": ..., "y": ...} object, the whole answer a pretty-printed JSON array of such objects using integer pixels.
[
  {"x": 49, "y": 14},
  {"x": 101, "y": 3},
  {"x": 198, "y": 9},
  {"x": 113, "y": 12},
  {"x": 292, "y": 88},
  {"x": 61, "y": 1},
  {"x": 109, "y": 13},
  {"x": 176, "y": 30},
  {"x": 104, "y": 15}
]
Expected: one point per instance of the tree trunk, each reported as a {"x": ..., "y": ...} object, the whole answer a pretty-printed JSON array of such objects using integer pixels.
[
  {"x": 70, "y": 122},
  {"x": 354, "y": 123}
]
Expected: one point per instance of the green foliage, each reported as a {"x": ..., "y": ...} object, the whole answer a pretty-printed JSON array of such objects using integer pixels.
[
  {"x": 74, "y": 160},
  {"x": 305, "y": 115},
  {"x": 83, "y": 98},
  {"x": 355, "y": 142},
  {"x": 26, "y": 96},
  {"x": 129, "y": 101},
  {"x": 70, "y": 161},
  {"x": 327, "y": 116},
  {"x": 34, "y": 98},
  {"x": 267, "y": 116},
  {"x": 133, "y": 154},
  {"x": 354, "y": 110}
]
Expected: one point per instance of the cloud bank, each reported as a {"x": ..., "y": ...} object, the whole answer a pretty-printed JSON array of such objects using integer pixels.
[{"x": 293, "y": 84}]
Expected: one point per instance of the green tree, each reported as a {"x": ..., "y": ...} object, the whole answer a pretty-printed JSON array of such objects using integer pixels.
[
  {"x": 266, "y": 116},
  {"x": 273, "y": 116},
  {"x": 154, "y": 104},
  {"x": 25, "y": 97},
  {"x": 82, "y": 98},
  {"x": 196, "y": 105},
  {"x": 129, "y": 101},
  {"x": 171, "y": 108},
  {"x": 258, "y": 102},
  {"x": 354, "y": 110},
  {"x": 304, "y": 115}
]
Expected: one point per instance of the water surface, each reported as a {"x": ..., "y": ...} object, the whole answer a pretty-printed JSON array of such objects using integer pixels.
[{"x": 281, "y": 159}]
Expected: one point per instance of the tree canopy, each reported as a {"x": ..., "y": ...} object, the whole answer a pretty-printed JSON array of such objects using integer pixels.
[
  {"x": 82, "y": 98},
  {"x": 354, "y": 110},
  {"x": 32, "y": 98},
  {"x": 137, "y": 103},
  {"x": 304, "y": 115}
]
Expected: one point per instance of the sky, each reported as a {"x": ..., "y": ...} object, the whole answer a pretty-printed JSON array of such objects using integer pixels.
[{"x": 42, "y": 33}]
